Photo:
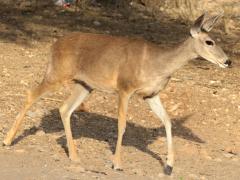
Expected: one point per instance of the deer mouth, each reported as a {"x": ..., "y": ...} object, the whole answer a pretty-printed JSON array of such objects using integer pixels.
[
  {"x": 226, "y": 64},
  {"x": 220, "y": 64}
]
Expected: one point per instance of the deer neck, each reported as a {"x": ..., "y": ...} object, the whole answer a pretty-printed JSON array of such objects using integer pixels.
[{"x": 177, "y": 57}]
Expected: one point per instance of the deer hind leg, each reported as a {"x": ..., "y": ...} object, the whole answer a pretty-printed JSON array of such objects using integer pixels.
[
  {"x": 122, "y": 112},
  {"x": 78, "y": 95},
  {"x": 32, "y": 96},
  {"x": 158, "y": 109}
]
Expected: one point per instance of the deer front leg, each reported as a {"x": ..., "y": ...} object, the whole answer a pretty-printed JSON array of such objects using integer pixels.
[
  {"x": 122, "y": 111},
  {"x": 158, "y": 109}
]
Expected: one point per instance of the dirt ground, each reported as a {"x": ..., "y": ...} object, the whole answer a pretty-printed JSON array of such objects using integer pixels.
[{"x": 202, "y": 99}]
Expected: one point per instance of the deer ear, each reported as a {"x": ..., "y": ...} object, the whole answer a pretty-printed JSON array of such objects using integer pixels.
[
  {"x": 209, "y": 23},
  {"x": 197, "y": 27}
]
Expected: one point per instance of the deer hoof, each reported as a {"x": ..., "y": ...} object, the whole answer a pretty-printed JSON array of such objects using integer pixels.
[
  {"x": 117, "y": 168},
  {"x": 5, "y": 143},
  {"x": 75, "y": 159},
  {"x": 117, "y": 165},
  {"x": 168, "y": 170}
]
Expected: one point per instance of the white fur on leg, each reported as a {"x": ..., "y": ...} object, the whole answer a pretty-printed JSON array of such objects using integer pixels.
[
  {"x": 77, "y": 97},
  {"x": 158, "y": 109}
]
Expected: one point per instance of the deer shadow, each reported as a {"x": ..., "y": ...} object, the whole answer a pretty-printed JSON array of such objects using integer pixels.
[{"x": 103, "y": 128}]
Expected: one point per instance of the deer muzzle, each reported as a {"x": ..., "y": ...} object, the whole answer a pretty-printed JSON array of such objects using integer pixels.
[{"x": 228, "y": 63}]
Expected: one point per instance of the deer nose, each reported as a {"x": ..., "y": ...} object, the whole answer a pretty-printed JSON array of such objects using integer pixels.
[{"x": 228, "y": 62}]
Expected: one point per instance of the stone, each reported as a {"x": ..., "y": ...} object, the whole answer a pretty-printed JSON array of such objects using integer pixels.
[
  {"x": 20, "y": 151},
  {"x": 40, "y": 133},
  {"x": 228, "y": 155},
  {"x": 96, "y": 23}
]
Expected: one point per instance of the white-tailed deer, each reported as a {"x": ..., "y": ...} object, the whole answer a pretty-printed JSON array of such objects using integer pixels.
[{"x": 122, "y": 65}]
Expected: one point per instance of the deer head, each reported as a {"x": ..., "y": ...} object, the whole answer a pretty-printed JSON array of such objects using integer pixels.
[{"x": 204, "y": 46}]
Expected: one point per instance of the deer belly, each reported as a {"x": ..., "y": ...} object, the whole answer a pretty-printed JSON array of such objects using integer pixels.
[{"x": 108, "y": 84}]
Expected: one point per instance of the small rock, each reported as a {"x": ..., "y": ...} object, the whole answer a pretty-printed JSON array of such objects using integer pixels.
[
  {"x": 7, "y": 147},
  {"x": 39, "y": 17},
  {"x": 138, "y": 172},
  {"x": 96, "y": 23},
  {"x": 227, "y": 125},
  {"x": 75, "y": 116},
  {"x": 161, "y": 9},
  {"x": 230, "y": 150},
  {"x": 208, "y": 157},
  {"x": 174, "y": 107},
  {"x": 176, "y": 79},
  {"x": 214, "y": 82},
  {"x": 23, "y": 83},
  {"x": 218, "y": 159},
  {"x": 41, "y": 149},
  {"x": 40, "y": 133},
  {"x": 31, "y": 114},
  {"x": 20, "y": 151},
  {"x": 75, "y": 168},
  {"x": 55, "y": 157},
  {"x": 228, "y": 155}
]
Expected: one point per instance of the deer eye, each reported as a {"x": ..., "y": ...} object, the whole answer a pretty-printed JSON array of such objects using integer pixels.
[{"x": 210, "y": 43}]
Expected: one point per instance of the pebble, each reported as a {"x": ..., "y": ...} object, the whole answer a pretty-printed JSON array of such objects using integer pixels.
[
  {"x": 214, "y": 82},
  {"x": 23, "y": 83},
  {"x": 138, "y": 172},
  {"x": 56, "y": 157},
  {"x": 41, "y": 149},
  {"x": 174, "y": 107},
  {"x": 161, "y": 9},
  {"x": 31, "y": 114},
  {"x": 75, "y": 168},
  {"x": 7, "y": 147},
  {"x": 208, "y": 157},
  {"x": 40, "y": 133},
  {"x": 228, "y": 155},
  {"x": 75, "y": 116},
  {"x": 96, "y": 23},
  {"x": 20, "y": 151},
  {"x": 218, "y": 160},
  {"x": 230, "y": 150}
]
